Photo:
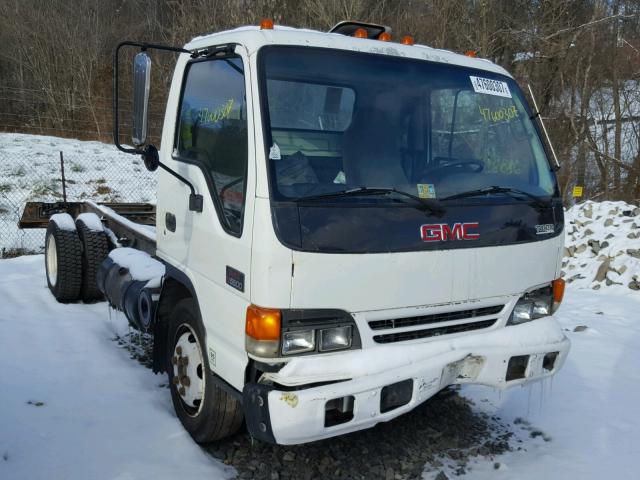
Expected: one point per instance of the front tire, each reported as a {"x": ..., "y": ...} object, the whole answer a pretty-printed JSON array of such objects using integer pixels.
[
  {"x": 206, "y": 411},
  {"x": 63, "y": 262}
]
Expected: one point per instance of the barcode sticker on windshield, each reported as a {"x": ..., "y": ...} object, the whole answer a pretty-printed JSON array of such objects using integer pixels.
[{"x": 490, "y": 87}]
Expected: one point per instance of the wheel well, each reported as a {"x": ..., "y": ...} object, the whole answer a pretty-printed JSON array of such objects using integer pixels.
[{"x": 172, "y": 292}]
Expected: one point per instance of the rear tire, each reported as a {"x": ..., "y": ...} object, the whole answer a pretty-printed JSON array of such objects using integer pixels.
[
  {"x": 206, "y": 411},
  {"x": 63, "y": 263},
  {"x": 95, "y": 248}
]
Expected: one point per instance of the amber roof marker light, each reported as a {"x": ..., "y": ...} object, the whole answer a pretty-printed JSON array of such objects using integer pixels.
[
  {"x": 266, "y": 24},
  {"x": 361, "y": 33},
  {"x": 384, "y": 37},
  {"x": 407, "y": 40},
  {"x": 471, "y": 53}
]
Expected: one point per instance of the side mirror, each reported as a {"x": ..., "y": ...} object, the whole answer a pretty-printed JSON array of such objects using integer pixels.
[{"x": 141, "y": 83}]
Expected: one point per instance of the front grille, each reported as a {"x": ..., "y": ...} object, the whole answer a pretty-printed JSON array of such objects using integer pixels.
[
  {"x": 433, "y": 332},
  {"x": 434, "y": 318}
]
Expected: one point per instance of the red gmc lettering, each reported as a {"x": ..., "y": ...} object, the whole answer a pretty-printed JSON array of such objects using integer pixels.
[{"x": 442, "y": 231}]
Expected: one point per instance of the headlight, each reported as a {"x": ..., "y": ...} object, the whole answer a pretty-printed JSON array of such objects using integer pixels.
[
  {"x": 271, "y": 333},
  {"x": 298, "y": 342},
  {"x": 335, "y": 338},
  {"x": 532, "y": 305}
]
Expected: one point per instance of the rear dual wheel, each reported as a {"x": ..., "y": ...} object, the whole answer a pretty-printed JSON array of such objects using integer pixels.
[
  {"x": 73, "y": 254},
  {"x": 63, "y": 261}
]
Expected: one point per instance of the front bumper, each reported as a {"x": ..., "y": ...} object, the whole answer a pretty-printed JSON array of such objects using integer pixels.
[{"x": 293, "y": 412}]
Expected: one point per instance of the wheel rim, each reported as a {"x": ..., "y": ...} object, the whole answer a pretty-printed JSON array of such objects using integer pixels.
[
  {"x": 188, "y": 370},
  {"x": 52, "y": 261}
]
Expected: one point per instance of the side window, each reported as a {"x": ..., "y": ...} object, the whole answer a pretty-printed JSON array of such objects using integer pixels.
[{"x": 212, "y": 131}]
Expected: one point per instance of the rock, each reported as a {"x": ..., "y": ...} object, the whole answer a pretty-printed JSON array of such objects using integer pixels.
[
  {"x": 587, "y": 232},
  {"x": 621, "y": 270},
  {"x": 441, "y": 476},
  {"x": 604, "y": 244},
  {"x": 580, "y": 328},
  {"x": 588, "y": 212},
  {"x": 595, "y": 246},
  {"x": 631, "y": 236},
  {"x": 596, "y": 287},
  {"x": 634, "y": 285},
  {"x": 613, "y": 212},
  {"x": 611, "y": 235},
  {"x": 602, "y": 258},
  {"x": 635, "y": 253},
  {"x": 568, "y": 252},
  {"x": 636, "y": 211},
  {"x": 581, "y": 248},
  {"x": 289, "y": 456},
  {"x": 608, "y": 222},
  {"x": 602, "y": 271}
]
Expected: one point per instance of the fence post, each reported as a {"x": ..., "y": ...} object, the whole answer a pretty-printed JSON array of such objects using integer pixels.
[{"x": 64, "y": 184}]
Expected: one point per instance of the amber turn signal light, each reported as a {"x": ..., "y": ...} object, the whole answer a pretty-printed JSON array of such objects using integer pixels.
[
  {"x": 558, "y": 290},
  {"x": 263, "y": 323}
]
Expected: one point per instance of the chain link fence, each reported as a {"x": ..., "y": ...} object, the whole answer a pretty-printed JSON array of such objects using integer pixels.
[{"x": 30, "y": 170}]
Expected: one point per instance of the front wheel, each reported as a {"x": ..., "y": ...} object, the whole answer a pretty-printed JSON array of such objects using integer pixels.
[{"x": 206, "y": 411}]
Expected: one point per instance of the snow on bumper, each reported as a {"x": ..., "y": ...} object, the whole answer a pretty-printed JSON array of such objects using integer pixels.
[{"x": 297, "y": 414}]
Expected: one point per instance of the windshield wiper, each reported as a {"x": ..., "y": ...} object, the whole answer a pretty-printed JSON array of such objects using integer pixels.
[
  {"x": 432, "y": 205},
  {"x": 512, "y": 192}
]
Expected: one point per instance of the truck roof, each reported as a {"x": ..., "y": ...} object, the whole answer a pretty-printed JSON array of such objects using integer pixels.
[{"x": 253, "y": 38}]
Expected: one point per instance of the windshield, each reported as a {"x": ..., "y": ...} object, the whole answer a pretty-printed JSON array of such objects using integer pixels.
[{"x": 339, "y": 120}]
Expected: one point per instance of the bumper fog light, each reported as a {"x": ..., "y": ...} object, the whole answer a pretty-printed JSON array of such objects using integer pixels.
[
  {"x": 517, "y": 367},
  {"x": 336, "y": 338},
  {"x": 396, "y": 395},
  {"x": 298, "y": 342},
  {"x": 549, "y": 361},
  {"x": 338, "y": 410}
]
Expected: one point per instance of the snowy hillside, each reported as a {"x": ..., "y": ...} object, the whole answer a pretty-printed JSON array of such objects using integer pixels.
[{"x": 602, "y": 246}]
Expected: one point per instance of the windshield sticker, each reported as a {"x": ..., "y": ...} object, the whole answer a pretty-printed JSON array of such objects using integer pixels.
[
  {"x": 274, "y": 152},
  {"x": 490, "y": 87},
  {"x": 545, "y": 229},
  {"x": 426, "y": 190},
  {"x": 340, "y": 178},
  {"x": 504, "y": 113}
]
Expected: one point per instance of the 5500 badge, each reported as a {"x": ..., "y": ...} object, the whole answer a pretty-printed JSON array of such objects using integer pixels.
[{"x": 438, "y": 232}]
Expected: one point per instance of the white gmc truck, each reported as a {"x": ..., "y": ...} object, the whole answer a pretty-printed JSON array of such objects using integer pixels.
[{"x": 346, "y": 224}]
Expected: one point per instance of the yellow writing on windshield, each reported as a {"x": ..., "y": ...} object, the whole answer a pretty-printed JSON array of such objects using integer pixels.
[
  {"x": 206, "y": 116},
  {"x": 504, "y": 113}
]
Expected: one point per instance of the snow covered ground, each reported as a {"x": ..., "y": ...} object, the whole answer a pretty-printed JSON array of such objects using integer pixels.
[{"x": 73, "y": 405}]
